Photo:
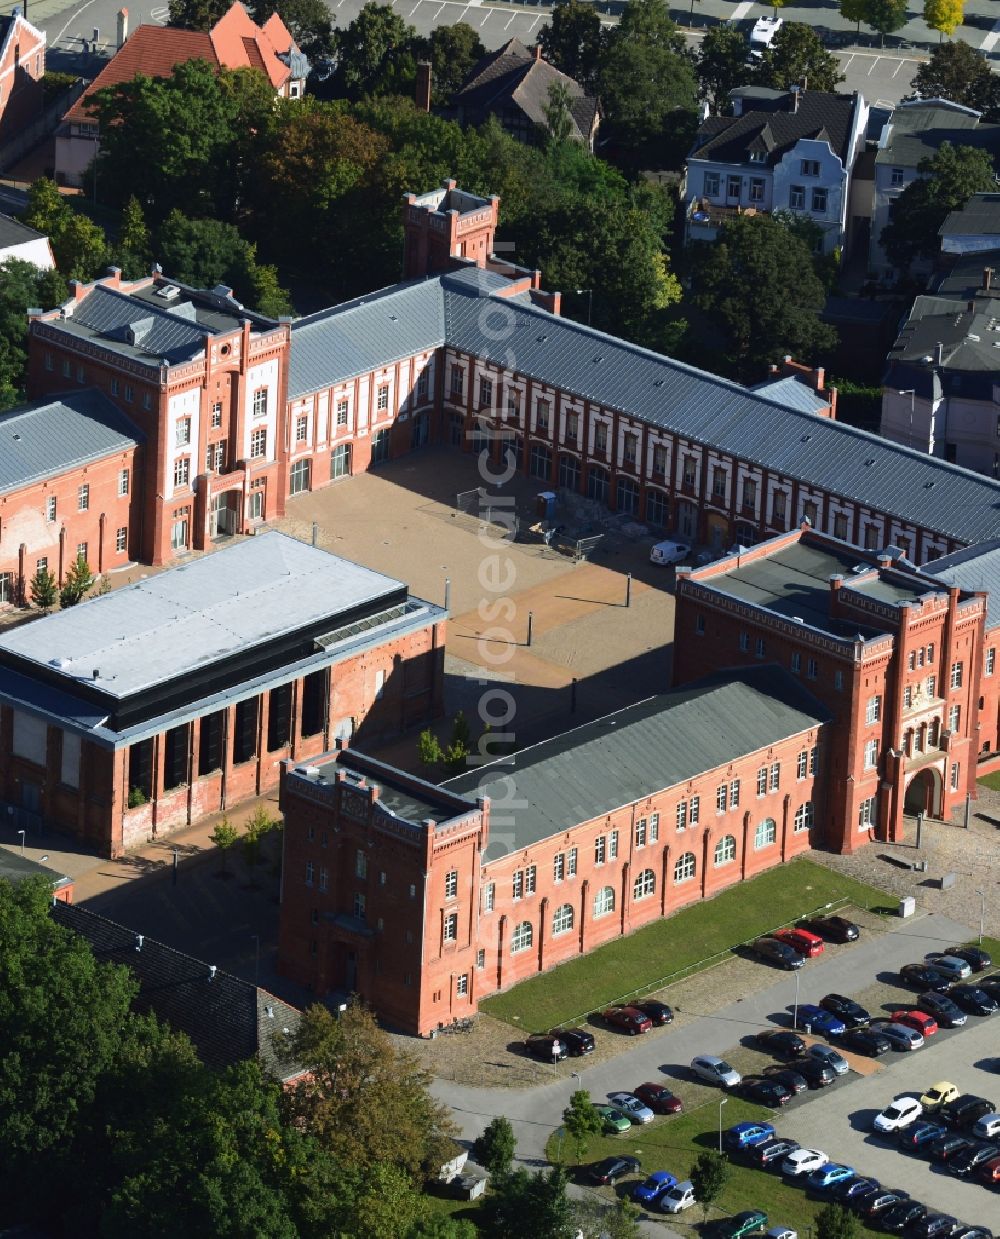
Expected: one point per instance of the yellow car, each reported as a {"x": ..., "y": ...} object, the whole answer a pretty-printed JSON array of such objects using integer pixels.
[{"x": 938, "y": 1094}]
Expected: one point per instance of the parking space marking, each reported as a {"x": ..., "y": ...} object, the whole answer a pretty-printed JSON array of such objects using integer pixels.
[
  {"x": 899, "y": 66},
  {"x": 990, "y": 42},
  {"x": 847, "y": 64},
  {"x": 874, "y": 65},
  {"x": 741, "y": 11},
  {"x": 510, "y": 19},
  {"x": 486, "y": 17},
  {"x": 438, "y": 13}
]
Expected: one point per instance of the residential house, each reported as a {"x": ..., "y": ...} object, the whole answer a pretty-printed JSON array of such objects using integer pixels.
[
  {"x": 22, "y": 67},
  {"x": 19, "y": 241},
  {"x": 778, "y": 151}
]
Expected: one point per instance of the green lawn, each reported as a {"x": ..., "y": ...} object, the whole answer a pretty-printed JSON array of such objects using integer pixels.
[
  {"x": 674, "y": 1144},
  {"x": 684, "y": 943},
  {"x": 991, "y": 780}
]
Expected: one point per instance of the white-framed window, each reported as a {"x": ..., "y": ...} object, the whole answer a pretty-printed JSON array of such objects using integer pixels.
[
  {"x": 360, "y": 903},
  {"x": 517, "y": 884},
  {"x": 82, "y": 498},
  {"x": 123, "y": 481},
  {"x": 129, "y": 392},
  {"x": 360, "y": 863},
  {"x": 640, "y": 833},
  {"x": 744, "y": 642},
  {"x": 955, "y": 772},
  {"x": 613, "y": 845},
  {"x": 896, "y": 178},
  {"x": 804, "y": 816},
  {"x": 6, "y": 587},
  {"x": 82, "y": 550},
  {"x": 480, "y": 959},
  {"x": 644, "y": 884},
  {"x": 451, "y": 884},
  {"x": 775, "y": 776},
  {"x": 654, "y": 827},
  {"x": 907, "y": 697},
  {"x": 258, "y": 443},
  {"x": 182, "y": 432},
  {"x": 721, "y": 798},
  {"x": 734, "y": 794},
  {"x": 819, "y": 197},
  {"x": 991, "y": 661},
  {"x": 868, "y": 814},
  {"x": 562, "y": 919},
  {"x": 604, "y": 901},
  {"x": 812, "y": 668},
  {"x": 796, "y": 663},
  {"x": 932, "y": 686},
  {"x": 451, "y": 927},
  {"x": 489, "y": 897},
  {"x": 710, "y": 185},
  {"x": 121, "y": 538},
  {"x": 342, "y": 412},
  {"x": 309, "y": 873},
  {"x": 956, "y": 675},
  {"x": 802, "y": 764},
  {"x": 797, "y": 197},
  {"x": 214, "y": 457},
  {"x": 215, "y": 419},
  {"x": 871, "y": 754},
  {"x": 725, "y": 850},
  {"x": 260, "y": 402},
  {"x": 301, "y": 429},
  {"x": 182, "y": 471},
  {"x": 542, "y": 411},
  {"x": 382, "y": 399},
  {"x": 299, "y": 476},
  {"x": 685, "y": 867},
  {"x": 559, "y": 867},
  {"x": 462, "y": 985},
  {"x": 340, "y": 461},
  {"x": 530, "y": 876},
  {"x": 522, "y": 937},
  {"x": 814, "y": 760},
  {"x": 485, "y": 392},
  {"x": 457, "y": 380},
  {"x": 762, "y": 781},
  {"x": 873, "y": 710},
  {"x": 600, "y": 850},
  {"x": 571, "y": 863},
  {"x": 682, "y": 813},
  {"x": 954, "y": 718},
  {"x": 765, "y": 834}
]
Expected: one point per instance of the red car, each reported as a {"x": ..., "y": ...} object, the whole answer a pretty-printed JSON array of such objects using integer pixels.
[
  {"x": 659, "y": 1099},
  {"x": 628, "y": 1019},
  {"x": 919, "y": 1021},
  {"x": 807, "y": 944},
  {"x": 989, "y": 1171}
]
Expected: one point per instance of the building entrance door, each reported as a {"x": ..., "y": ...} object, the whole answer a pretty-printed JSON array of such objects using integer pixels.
[{"x": 222, "y": 521}]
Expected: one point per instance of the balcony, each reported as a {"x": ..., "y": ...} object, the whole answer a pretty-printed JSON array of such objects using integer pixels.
[{"x": 705, "y": 218}]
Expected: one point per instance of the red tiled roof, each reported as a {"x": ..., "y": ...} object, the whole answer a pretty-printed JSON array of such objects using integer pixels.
[{"x": 230, "y": 36}]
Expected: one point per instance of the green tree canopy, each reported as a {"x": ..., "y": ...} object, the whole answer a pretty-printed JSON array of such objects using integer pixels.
[
  {"x": 197, "y": 14},
  {"x": 709, "y": 1175},
  {"x": 77, "y": 581},
  {"x": 722, "y": 64},
  {"x": 854, "y": 11},
  {"x": 948, "y": 180},
  {"x": 453, "y": 51},
  {"x": 78, "y": 244},
  {"x": 758, "y": 284},
  {"x": 581, "y": 1121},
  {"x": 534, "y": 1201},
  {"x": 22, "y": 287},
  {"x": 962, "y": 74},
  {"x": 308, "y": 22},
  {"x": 375, "y": 54},
  {"x": 835, "y": 1222},
  {"x": 885, "y": 16},
  {"x": 133, "y": 251},
  {"x": 573, "y": 40},
  {"x": 494, "y": 1149},
  {"x": 796, "y": 57},
  {"x": 945, "y": 16}
]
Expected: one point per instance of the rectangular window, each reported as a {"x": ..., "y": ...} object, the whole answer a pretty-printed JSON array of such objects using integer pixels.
[
  {"x": 802, "y": 765},
  {"x": 797, "y": 197},
  {"x": 613, "y": 845},
  {"x": 814, "y": 760},
  {"x": 744, "y": 642},
  {"x": 956, "y": 675},
  {"x": 121, "y": 539},
  {"x": 907, "y": 697},
  {"x": 601, "y": 438},
  {"x": 682, "y": 815},
  {"x": 640, "y": 832},
  {"x": 462, "y": 985},
  {"x": 778, "y": 507},
  {"x": 485, "y": 392},
  {"x": 758, "y": 647},
  {"x": 867, "y": 815},
  {"x": 382, "y": 400},
  {"x": 214, "y": 457},
  {"x": 699, "y": 625},
  {"x": 734, "y": 794},
  {"x": 324, "y": 878},
  {"x": 871, "y": 754},
  {"x": 710, "y": 185},
  {"x": 490, "y": 897},
  {"x": 301, "y": 429},
  {"x": 749, "y": 493},
  {"x": 182, "y": 432},
  {"x": 572, "y": 427},
  {"x": 819, "y": 201},
  {"x": 762, "y": 781},
  {"x": 42, "y": 565},
  {"x": 67, "y": 368},
  {"x": 896, "y": 178},
  {"x": 48, "y": 366},
  {"x": 123, "y": 481},
  {"x": 991, "y": 659},
  {"x": 955, "y": 771},
  {"x": 911, "y": 661},
  {"x": 480, "y": 959},
  {"x": 756, "y": 189},
  {"x": 82, "y": 550},
  {"x": 809, "y": 167},
  {"x": 359, "y": 906},
  {"x": 932, "y": 686},
  {"x": 542, "y": 411},
  {"x": 6, "y": 587},
  {"x": 530, "y": 875},
  {"x": 571, "y": 867},
  {"x": 342, "y": 412},
  {"x": 838, "y": 681},
  {"x": 451, "y": 884},
  {"x": 796, "y": 663},
  {"x": 721, "y": 798},
  {"x": 340, "y": 461},
  {"x": 600, "y": 850},
  {"x": 719, "y": 479},
  {"x": 812, "y": 668},
  {"x": 422, "y": 384},
  {"x": 182, "y": 471},
  {"x": 954, "y": 718},
  {"x": 260, "y": 402},
  {"x": 258, "y": 444},
  {"x": 83, "y": 498},
  {"x": 216, "y": 419},
  {"x": 517, "y": 885},
  {"x": 775, "y": 776},
  {"x": 309, "y": 873},
  {"x": 451, "y": 927},
  {"x": 457, "y": 381},
  {"x": 695, "y": 810},
  {"x": 873, "y": 711},
  {"x": 654, "y": 824},
  {"x": 559, "y": 867},
  {"x": 299, "y": 476}
]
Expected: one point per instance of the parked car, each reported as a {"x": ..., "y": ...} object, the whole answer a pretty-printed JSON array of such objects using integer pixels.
[
  {"x": 921, "y": 1134},
  {"x": 659, "y": 1099},
  {"x": 945, "y": 1147},
  {"x": 649, "y": 1191},
  {"x": 938, "y": 1094},
  {"x": 791, "y": 1079},
  {"x": 818, "y": 1020},
  {"x": 877, "y": 1204},
  {"x": 919, "y": 1021},
  {"x": 801, "y": 941},
  {"x": 898, "y": 1114},
  {"x": 746, "y": 1135},
  {"x": 988, "y": 1127},
  {"x": 779, "y": 953},
  {"x": 613, "y": 1121},
  {"x": 974, "y": 999},
  {"x": 990, "y": 984},
  {"x": 781, "y": 1042},
  {"x": 611, "y": 1169},
  {"x": 749, "y": 1222},
  {"x": 635, "y": 1110},
  {"x": 825, "y": 1177},
  {"x": 965, "y": 1161},
  {"x": 924, "y": 978},
  {"x": 864, "y": 1041},
  {"x": 678, "y": 1198},
  {"x": 902, "y": 1036},
  {"x": 852, "y": 1013},
  {"x": 765, "y": 1092},
  {"x": 817, "y": 1074},
  {"x": 628, "y": 1019},
  {"x": 714, "y": 1070},
  {"x": 658, "y": 1012},
  {"x": 973, "y": 1232},
  {"x": 977, "y": 959},
  {"x": 576, "y": 1040},
  {"x": 545, "y": 1046},
  {"x": 669, "y": 552},
  {"x": 950, "y": 965},
  {"x": 850, "y": 1189},
  {"x": 989, "y": 1172},
  {"x": 935, "y": 1226},
  {"x": 832, "y": 928},
  {"x": 803, "y": 1162},
  {"x": 897, "y": 1217},
  {"x": 771, "y": 1153},
  {"x": 966, "y": 1110},
  {"x": 830, "y": 1057},
  {"x": 943, "y": 1010}
]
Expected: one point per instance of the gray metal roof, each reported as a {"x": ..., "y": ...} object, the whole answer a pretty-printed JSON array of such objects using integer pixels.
[
  {"x": 13, "y": 232},
  {"x": 179, "y": 621},
  {"x": 792, "y": 393},
  {"x": 918, "y": 129},
  {"x": 645, "y": 748},
  {"x": 45, "y": 439},
  {"x": 976, "y": 569},
  {"x": 773, "y": 132},
  {"x": 979, "y": 216},
  {"x": 16, "y": 868}
]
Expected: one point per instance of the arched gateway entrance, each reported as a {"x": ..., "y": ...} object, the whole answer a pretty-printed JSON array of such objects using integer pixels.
[{"x": 923, "y": 793}]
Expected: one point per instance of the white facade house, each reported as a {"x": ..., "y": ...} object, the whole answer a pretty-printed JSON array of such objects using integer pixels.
[
  {"x": 17, "y": 240},
  {"x": 779, "y": 151}
]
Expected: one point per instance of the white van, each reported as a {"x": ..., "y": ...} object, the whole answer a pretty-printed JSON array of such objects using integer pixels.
[
  {"x": 762, "y": 35},
  {"x": 669, "y": 552}
]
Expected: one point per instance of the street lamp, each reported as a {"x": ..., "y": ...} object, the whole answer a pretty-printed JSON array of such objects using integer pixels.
[
  {"x": 982, "y": 914},
  {"x": 21, "y": 833},
  {"x": 721, "y": 1104},
  {"x": 795, "y": 1011},
  {"x": 911, "y": 392},
  {"x": 590, "y": 300}
]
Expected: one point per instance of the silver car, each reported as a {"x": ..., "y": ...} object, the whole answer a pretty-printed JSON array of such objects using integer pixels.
[
  {"x": 630, "y": 1105},
  {"x": 950, "y": 965},
  {"x": 900, "y": 1036},
  {"x": 826, "y": 1054},
  {"x": 715, "y": 1070}
]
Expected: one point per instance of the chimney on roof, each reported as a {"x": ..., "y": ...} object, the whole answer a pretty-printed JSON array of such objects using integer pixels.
[
  {"x": 939, "y": 354},
  {"x": 96, "y": 673},
  {"x": 212, "y": 970},
  {"x": 138, "y": 941},
  {"x": 987, "y": 279},
  {"x": 122, "y": 28},
  {"x": 538, "y": 51},
  {"x": 422, "y": 93},
  {"x": 269, "y": 1012},
  {"x": 796, "y": 91}
]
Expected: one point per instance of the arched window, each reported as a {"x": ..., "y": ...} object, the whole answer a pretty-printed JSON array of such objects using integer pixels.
[
  {"x": 604, "y": 901},
  {"x": 804, "y": 816},
  {"x": 645, "y": 884},
  {"x": 684, "y": 869},
  {"x": 765, "y": 834},
  {"x": 562, "y": 919},
  {"x": 522, "y": 937},
  {"x": 725, "y": 850}
]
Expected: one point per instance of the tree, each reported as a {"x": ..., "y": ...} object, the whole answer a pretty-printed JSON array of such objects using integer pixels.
[
  {"x": 22, "y": 286},
  {"x": 133, "y": 252},
  {"x": 79, "y": 246},
  {"x": 835, "y": 1222},
  {"x": 197, "y": 14},
  {"x": 537, "y": 1201},
  {"x": 885, "y": 16},
  {"x": 945, "y": 16},
  {"x": 78, "y": 580},
  {"x": 494, "y": 1149},
  {"x": 251, "y": 844},
  {"x": 757, "y": 282},
  {"x": 429, "y": 748},
  {"x": 365, "y": 1102},
  {"x": 558, "y": 117},
  {"x": 854, "y": 11},
  {"x": 581, "y": 1121},
  {"x": 948, "y": 180},
  {"x": 962, "y": 74},
  {"x": 453, "y": 51},
  {"x": 44, "y": 589},
  {"x": 573, "y": 41},
  {"x": 597, "y": 1220},
  {"x": 308, "y": 22},
  {"x": 722, "y": 64},
  {"x": 709, "y": 1175},
  {"x": 796, "y": 57},
  {"x": 224, "y": 836},
  {"x": 375, "y": 54}
]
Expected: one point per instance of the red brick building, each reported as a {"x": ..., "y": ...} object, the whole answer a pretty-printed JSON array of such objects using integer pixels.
[
  {"x": 22, "y": 67},
  {"x": 143, "y": 710},
  {"x": 904, "y": 660},
  {"x": 425, "y": 899}
]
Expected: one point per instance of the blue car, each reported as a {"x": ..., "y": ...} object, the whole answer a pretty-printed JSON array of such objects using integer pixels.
[
  {"x": 748, "y": 1135},
  {"x": 824, "y": 1178},
  {"x": 649, "y": 1191},
  {"x": 821, "y": 1021}
]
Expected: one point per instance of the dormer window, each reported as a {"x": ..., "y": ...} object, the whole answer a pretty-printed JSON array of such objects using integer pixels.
[{"x": 756, "y": 156}]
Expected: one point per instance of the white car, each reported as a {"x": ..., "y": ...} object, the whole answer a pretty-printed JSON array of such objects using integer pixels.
[
  {"x": 679, "y": 1197},
  {"x": 954, "y": 968},
  {"x": 631, "y": 1107},
  {"x": 715, "y": 1071},
  {"x": 898, "y": 1114},
  {"x": 669, "y": 552},
  {"x": 803, "y": 1161}
]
